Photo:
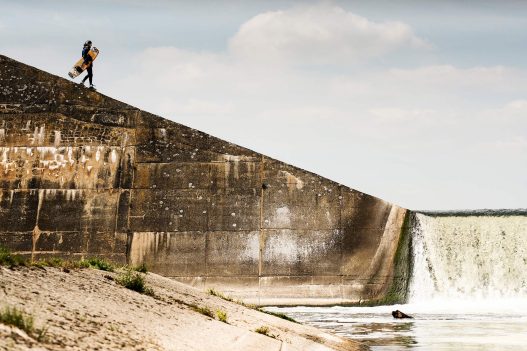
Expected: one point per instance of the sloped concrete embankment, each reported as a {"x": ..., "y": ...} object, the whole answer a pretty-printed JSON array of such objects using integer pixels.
[
  {"x": 87, "y": 310},
  {"x": 82, "y": 174}
]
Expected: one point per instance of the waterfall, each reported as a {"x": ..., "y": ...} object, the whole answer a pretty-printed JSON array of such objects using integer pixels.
[{"x": 469, "y": 256}]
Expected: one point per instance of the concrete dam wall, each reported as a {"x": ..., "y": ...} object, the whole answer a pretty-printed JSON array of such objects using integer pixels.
[{"x": 82, "y": 175}]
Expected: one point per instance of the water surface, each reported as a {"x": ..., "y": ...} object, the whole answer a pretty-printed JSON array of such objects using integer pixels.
[{"x": 459, "y": 327}]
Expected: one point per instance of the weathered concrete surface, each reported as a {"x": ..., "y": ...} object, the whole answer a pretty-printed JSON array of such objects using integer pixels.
[{"x": 82, "y": 174}]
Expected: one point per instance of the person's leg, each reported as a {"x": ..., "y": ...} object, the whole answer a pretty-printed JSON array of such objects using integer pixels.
[{"x": 90, "y": 74}]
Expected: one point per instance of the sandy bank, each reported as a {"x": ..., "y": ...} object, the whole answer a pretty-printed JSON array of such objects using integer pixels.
[{"x": 87, "y": 310}]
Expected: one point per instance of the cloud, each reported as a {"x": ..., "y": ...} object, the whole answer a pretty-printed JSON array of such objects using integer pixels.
[
  {"x": 323, "y": 34},
  {"x": 169, "y": 66},
  {"x": 516, "y": 144},
  {"x": 193, "y": 106},
  {"x": 516, "y": 108},
  {"x": 446, "y": 86},
  {"x": 512, "y": 147},
  {"x": 398, "y": 115},
  {"x": 428, "y": 103},
  {"x": 491, "y": 77}
]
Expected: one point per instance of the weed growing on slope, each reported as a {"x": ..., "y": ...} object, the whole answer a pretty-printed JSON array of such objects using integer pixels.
[
  {"x": 97, "y": 263},
  {"x": 220, "y": 295},
  {"x": 49, "y": 262},
  {"x": 278, "y": 314},
  {"x": 230, "y": 299},
  {"x": 141, "y": 268},
  {"x": 9, "y": 259},
  {"x": 204, "y": 310},
  {"x": 57, "y": 262},
  {"x": 222, "y": 316},
  {"x": 134, "y": 281},
  {"x": 254, "y": 307},
  {"x": 264, "y": 330},
  {"x": 17, "y": 318},
  {"x": 66, "y": 265}
]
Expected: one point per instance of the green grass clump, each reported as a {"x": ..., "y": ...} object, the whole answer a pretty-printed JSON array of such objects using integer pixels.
[
  {"x": 220, "y": 295},
  {"x": 134, "y": 281},
  {"x": 84, "y": 264},
  {"x": 204, "y": 310},
  {"x": 279, "y": 315},
  {"x": 141, "y": 268},
  {"x": 97, "y": 263},
  {"x": 16, "y": 318},
  {"x": 254, "y": 307},
  {"x": 222, "y": 316},
  {"x": 9, "y": 259},
  {"x": 55, "y": 262},
  {"x": 230, "y": 299},
  {"x": 264, "y": 330}
]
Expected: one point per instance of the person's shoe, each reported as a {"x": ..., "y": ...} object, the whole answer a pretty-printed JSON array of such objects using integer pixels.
[{"x": 92, "y": 86}]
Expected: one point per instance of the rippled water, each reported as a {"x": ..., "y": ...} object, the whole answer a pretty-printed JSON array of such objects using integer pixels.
[{"x": 433, "y": 327}]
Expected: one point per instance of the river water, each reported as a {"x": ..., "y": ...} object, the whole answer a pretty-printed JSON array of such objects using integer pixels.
[
  {"x": 468, "y": 288},
  {"x": 465, "y": 327}
]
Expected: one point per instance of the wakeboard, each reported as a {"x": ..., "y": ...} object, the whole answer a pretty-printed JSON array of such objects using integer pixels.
[{"x": 80, "y": 66}]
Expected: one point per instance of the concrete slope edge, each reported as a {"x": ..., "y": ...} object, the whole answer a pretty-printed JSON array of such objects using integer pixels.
[{"x": 82, "y": 174}]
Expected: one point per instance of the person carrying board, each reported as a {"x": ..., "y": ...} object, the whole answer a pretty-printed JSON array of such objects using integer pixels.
[{"x": 88, "y": 61}]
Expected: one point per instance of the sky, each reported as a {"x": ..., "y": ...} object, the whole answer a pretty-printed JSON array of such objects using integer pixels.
[{"x": 421, "y": 103}]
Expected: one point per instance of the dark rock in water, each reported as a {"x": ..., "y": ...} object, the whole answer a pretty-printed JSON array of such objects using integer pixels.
[{"x": 400, "y": 315}]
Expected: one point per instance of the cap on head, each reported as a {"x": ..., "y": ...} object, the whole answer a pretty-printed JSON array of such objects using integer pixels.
[{"x": 87, "y": 43}]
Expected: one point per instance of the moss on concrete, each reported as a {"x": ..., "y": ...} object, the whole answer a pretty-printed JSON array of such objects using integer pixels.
[{"x": 397, "y": 292}]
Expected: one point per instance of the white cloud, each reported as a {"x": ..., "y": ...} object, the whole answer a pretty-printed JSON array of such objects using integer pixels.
[
  {"x": 512, "y": 147},
  {"x": 398, "y": 115},
  {"x": 169, "y": 66},
  {"x": 447, "y": 79},
  {"x": 491, "y": 78},
  {"x": 518, "y": 144},
  {"x": 516, "y": 108},
  {"x": 193, "y": 106},
  {"x": 323, "y": 34},
  {"x": 427, "y": 103}
]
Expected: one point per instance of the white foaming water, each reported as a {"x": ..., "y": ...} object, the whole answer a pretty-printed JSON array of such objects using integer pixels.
[{"x": 470, "y": 262}]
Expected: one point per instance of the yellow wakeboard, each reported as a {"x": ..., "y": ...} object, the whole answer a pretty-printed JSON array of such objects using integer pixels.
[{"x": 80, "y": 66}]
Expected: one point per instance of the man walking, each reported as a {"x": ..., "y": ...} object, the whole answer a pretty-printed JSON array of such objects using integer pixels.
[{"x": 88, "y": 61}]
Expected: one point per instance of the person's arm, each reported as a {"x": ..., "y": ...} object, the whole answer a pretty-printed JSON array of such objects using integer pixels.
[{"x": 87, "y": 58}]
